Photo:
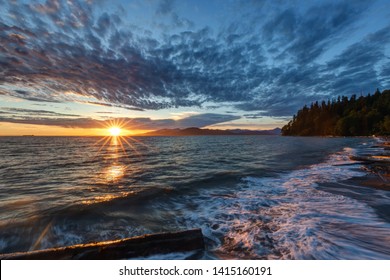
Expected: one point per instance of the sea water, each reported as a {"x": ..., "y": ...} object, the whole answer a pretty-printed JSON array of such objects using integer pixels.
[{"x": 254, "y": 197}]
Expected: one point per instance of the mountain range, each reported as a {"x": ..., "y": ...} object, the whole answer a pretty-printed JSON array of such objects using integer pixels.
[{"x": 195, "y": 131}]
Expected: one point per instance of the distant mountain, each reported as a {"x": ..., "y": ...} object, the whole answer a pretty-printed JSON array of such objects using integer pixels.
[{"x": 194, "y": 131}]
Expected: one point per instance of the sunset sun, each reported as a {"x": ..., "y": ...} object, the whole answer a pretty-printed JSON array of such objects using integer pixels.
[{"x": 114, "y": 131}]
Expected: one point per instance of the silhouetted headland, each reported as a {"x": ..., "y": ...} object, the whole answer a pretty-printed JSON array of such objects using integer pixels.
[{"x": 363, "y": 116}]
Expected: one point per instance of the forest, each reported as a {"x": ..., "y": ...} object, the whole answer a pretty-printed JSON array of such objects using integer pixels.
[{"x": 354, "y": 116}]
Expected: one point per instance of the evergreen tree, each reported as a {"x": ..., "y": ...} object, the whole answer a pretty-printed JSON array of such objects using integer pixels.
[{"x": 362, "y": 116}]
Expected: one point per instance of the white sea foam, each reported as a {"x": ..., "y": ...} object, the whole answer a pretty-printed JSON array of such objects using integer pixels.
[{"x": 289, "y": 218}]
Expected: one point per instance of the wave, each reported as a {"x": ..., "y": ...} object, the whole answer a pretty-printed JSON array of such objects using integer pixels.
[
  {"x": 288, "y": 217},
  {"x": 248, "y": 202}
]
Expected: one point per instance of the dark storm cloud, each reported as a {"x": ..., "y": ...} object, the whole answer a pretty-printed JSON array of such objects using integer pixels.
[
  {"x": 129, "y": 123},
  {"x": 60, "y": 51}
]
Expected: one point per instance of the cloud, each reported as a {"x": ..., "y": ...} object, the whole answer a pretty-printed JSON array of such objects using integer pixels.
[
  {"x": 112, "y": 105},
  {"x": 355, "y": 69},
  {"x": 200, "y": 120},
  {"x": 50, "y": 7},
  {"x": 304, "y": 36},
  {"x": 273, "y": 64},
  {"x": 203, "y": 120},
  {"x": 385, "y": 75},
  {"x": 254, "y": 116},
  {"x": 165, "y": 7},
  {"x": 61, "y": 122},
  {"x": 21, "y": 112}
]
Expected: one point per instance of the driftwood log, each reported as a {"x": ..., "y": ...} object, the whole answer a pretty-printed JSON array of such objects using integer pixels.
[{"x": 140, "y": 246}]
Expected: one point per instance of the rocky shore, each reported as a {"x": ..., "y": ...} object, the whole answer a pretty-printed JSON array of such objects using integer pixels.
[{"x": 378, "y": 167}]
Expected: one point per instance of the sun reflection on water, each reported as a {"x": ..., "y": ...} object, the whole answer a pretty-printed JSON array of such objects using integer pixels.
[
  {"x": 115, "y": 172},
  {"x": 114, "y": 141},
  {"x": 113, "y": 149},
  {"x": 107, "y": 197}
]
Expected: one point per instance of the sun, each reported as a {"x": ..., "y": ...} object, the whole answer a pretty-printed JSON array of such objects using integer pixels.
[{"x": 114, "y": 131}]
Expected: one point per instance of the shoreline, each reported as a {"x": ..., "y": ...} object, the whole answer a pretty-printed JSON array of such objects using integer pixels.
[{"x": 377, "y": 167}]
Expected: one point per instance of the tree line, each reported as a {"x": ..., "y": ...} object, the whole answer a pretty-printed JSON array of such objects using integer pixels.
[{"x": 354, "y": 116}]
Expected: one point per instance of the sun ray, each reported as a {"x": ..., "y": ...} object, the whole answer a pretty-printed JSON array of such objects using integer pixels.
[
  {"x": 104, "y": 144},
  {"x": 114, "y": 129},
  {"x": 139, "y": 142},
  {"x": 132, "y": 147},
  {"x": 121, "y": 144},
  {"x": 101, "y": 140}
]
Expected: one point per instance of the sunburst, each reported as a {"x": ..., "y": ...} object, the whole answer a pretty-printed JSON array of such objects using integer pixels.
[{"x": 115, "y": 129}]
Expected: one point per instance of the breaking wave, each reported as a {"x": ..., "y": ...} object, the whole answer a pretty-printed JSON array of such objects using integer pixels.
[{"x": 288, "y": 217}]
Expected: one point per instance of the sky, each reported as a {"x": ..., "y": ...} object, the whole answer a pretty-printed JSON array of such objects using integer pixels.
[{"x": 77, "y": 67}]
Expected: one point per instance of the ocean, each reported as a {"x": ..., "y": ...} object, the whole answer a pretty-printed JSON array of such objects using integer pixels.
[{"x": 254, "y": 197}]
